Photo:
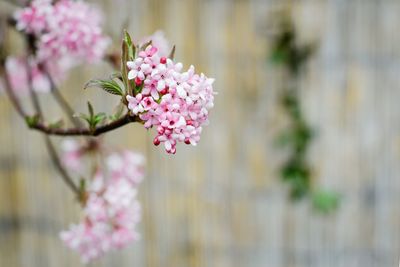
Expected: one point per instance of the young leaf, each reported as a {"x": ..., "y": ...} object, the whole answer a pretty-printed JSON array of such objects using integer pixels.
[
  {"x": 124, "y": 67},
  {"x": 92, "y": 119},
  {"x": 110, "y": 86},
  {"x": 90, "y": 108},
  {"x": 325, "y": 201},
  {"x": 127, "y": 38},
  {"x": 98, "y": 118},
  {"x": 172, "y": 53},
  {"x": 83, "y": 117},
  {"x": 118, "y": 112},
  {"x": 145, "y": 45},
  {"x": 56, "y": 124},
  {"x": 32, "y": 120},
  {"x": 130, "y": 45},
  {"x": 116, "y": 75}
]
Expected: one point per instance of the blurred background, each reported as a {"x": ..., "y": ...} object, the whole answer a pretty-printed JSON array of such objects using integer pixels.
[{"x": 223, "y": 203}]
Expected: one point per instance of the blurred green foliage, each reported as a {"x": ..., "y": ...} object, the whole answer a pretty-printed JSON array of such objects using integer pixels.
[{"x": 298, "y": 136}]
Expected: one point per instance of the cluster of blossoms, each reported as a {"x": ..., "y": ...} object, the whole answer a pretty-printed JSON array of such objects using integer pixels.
[
  {"x": 111, "y": 209},
  {"x": 66, "y": 33},
  {"x": 173, "y": 101},
  {"x": 19, "y": 76}
]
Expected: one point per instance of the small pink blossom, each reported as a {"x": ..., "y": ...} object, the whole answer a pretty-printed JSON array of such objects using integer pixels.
[
  {"x": 135, "y": 103},
  {"x": 158, "y": 40}
]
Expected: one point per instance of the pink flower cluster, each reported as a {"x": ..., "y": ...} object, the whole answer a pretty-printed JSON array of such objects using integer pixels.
[
  {"x": 17, "y": 70},
  {"x": 111, "y": 210},
  {"x": 176, "y": 103},
  {"x": 66, "y": 33},
  {"x": 73, "y": 155}
]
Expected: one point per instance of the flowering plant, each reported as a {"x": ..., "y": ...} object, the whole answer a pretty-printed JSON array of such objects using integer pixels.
[{"x": 153, "y": 90}]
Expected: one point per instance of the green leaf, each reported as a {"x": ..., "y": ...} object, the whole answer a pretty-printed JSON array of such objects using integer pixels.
[
  {"x": 32, "y": 120},
  {"x": 325, "y": 201},
  {"x": 110, "y": 86},
  {"x": 56, "y": 124},
  {"x": 172, "y": 53},
  {"x": 130, "y": 45},
  {"x": 145, "y": 45},
  {"x": 116, "y": 75},
  {"x": 92, "y": 119},
  {"x": 90, "y": 108},
  {"x": 99, "y": 118},
  {"x": 127, "y": 38},
  {"x": 82, "y": 116},
  {"x": 124, "y": 67},
  {"x": 118, "y": 112},
  {"x": 82, "y": 185}
]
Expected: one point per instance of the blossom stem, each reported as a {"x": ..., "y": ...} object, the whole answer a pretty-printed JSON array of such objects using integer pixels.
[
  {"x": 86, "y": 131},
  {"x": 50, "y": 147},
  {"x": 11, "y": 95},
  {"x": 65, "y": 106},
  {"x": 56, "y": 160}
]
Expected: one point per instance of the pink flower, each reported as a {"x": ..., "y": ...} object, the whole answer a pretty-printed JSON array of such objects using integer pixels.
[
  {"x": 67, "y": 33},
  {"x": 148, "y": 103},
  {"x": 18, "y": 74},
  {"x": 134, "y": 103},
  {"x": 111, "y": 211},
  {"x": 34, "y": 18},
  {"x": 72, "y": 156},
  {"x": 177, "y": 103},
  {"x": 126, "y": 164},
  {"x": 158, "y": 40}
]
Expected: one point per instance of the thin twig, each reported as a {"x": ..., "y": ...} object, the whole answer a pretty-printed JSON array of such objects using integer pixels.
[
  {"x": 32, "y": 93},
  {"x": 11, "y": 95},
  {"x": 56, "y": 160},
  {"x": 53, "y": 154},
  {"x": 86, "y": 131},
  {"x": 60, "y": 99}
]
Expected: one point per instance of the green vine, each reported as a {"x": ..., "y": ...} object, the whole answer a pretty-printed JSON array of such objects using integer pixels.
[{"x": 296, "y": 170}]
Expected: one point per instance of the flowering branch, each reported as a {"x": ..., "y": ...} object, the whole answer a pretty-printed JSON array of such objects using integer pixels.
[
  {"x": 60, "y": 99},
  {"x": 126, "y": 119},
  {"x": 57, "y": 163},
  {"x": 154, "y": 89}
]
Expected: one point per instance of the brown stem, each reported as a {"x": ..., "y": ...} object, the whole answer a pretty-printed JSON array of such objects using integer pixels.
[
  {"x": 86, "y": 131},
  {"x": 50, "y": 147},
  {"x": 32, "y": 93},
  {"x": 11, "y": 95},
  {"x": 56, "y": 160},
  {"x": 60, "y": 99}
]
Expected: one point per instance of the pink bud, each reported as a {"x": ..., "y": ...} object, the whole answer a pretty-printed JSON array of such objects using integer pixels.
[
  {"x": 138, "y": 81},
  {"x": 156, "y": 142},
  {"x": 164, "y": 91},
  {"x": 163, "y": 60}
]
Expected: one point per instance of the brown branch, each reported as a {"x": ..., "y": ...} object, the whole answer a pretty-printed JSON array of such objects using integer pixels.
[
  {"x": 56, "y": 160},
  {"x": 86, "y": 131},
  {"x": 50, "y": 147},
  {"x": 32, "y": 93},
  {"x": 42, "y": 127},
  {"x": 65, "y": 106},
  {"x": 11, "y": 95}
]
